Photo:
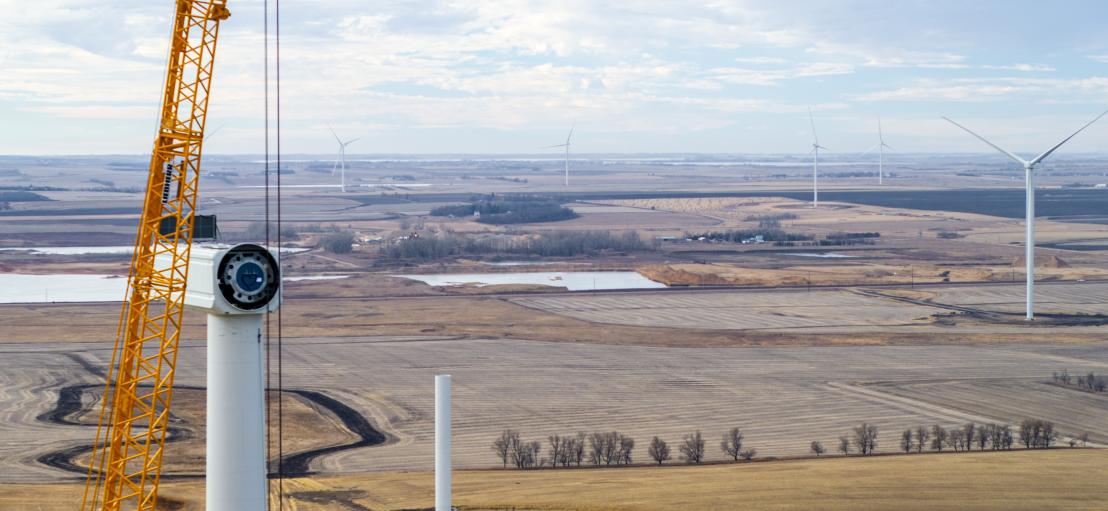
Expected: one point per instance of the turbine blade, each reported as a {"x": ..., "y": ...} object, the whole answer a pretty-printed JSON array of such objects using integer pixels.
[
  {"x": 887, "y": 146},
  {"x": 1015, "y": 158},
  {"x": 334, "y": 134},
  {"x": 553, "y": 146},
  {"x": 351, "y": 141},
  {"x": 870, "y": 150},
  {"x": 571, "y": 128},
  {"x": 813, "y": 121},
  {"x": 880, "y": 135},
  {"x": 1059, "y": 144}
]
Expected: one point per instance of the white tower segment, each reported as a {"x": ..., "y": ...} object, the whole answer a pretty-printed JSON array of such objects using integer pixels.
[
  {"x": 815, "y": 161},
  {"x": 881, "y": 145},
  {"x": 342, "y": 156},
  {"x": 566, "y": 146},
  {"x": 443, "y": 466},
  {"x": 1029, "y": 182}
]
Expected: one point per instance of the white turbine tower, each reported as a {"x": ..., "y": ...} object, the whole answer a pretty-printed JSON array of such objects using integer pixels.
[
  {"x": 565, "y": 145},
  {"x": 342, "y": 156},
  {"x": 1029, "y": 181},
  {"x": 815, "y": 161},
  {"x": 880, "y": 146}
]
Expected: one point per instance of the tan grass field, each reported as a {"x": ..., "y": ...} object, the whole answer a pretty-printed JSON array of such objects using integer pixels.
[{"x": 1060, "y": 479}]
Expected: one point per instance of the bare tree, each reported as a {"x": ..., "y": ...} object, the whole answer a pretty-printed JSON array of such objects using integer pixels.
[
  {"x": 658, "y": 450},
  {"x": 955, "y": 438},
  {"x": 535, "y": 458},
  {"x": 748, "y": 454},
  {"x": 626, "y": 445},
  {"x": 906, "y": 440},
  {"x": 577, "y": 454},
  {"x": 844, "y": 445},
  {"x": 938, "y": 438},
  {"x": 984, "y": 433},
  {"x": 921, "y": 438},
  {"x": 502, "y": 446},
  {"x": 610, "y": 452},
  {"x": 732, "y": 443},
  {"x": 565, "y": 457},
  {"x": 557, "y": 447},
  {"x": 996, "y": 436},
  {"x": 597, "y": 443},
  {"x": 1027, "y": 433},
  {"x": 865, "y": 438},
  {"x": 969, "y": 435},
  {"x": 817, "y": 448},
  {"x": 1084, "y": 439},
  {"x": 1047, "y": 435},
  {"x": 692, "y": 449}
]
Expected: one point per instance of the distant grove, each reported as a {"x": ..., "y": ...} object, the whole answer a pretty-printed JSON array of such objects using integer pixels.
[{"x": 614, "y": 449}]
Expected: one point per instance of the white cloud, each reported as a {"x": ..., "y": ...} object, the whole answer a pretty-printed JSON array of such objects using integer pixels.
[
  {"x": 982, "y": 89},
  {"x": 1025, "y": 68}
]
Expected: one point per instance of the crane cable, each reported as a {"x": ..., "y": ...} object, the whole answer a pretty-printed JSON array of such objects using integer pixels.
[{"x": 268, "y": 343}]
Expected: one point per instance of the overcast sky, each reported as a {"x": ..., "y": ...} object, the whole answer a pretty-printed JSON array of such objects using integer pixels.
[{"x": 487, "y": 76}]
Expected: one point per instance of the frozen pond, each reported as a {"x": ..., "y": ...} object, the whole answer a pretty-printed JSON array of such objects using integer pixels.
[
  {"x": 22, "y": 288},
  {"x": 314, "y": 277},
  {"x": 574, "y": 281},
  {"x": 821, "y": 255},
  {"x": 70, "y": 250}
]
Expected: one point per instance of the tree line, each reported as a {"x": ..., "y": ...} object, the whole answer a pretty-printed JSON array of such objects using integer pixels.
[
  {"x": 509, "y": 209},
  {"x": 607, "y": 449},
  {"x": 1089, "y": 381},
  {"x": 546, "y": 244}
]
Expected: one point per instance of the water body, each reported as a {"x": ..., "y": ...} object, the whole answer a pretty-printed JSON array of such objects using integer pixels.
[
  {"x": 821, "y": 255},
  {"x": 70, "y": 250},
  {"x": 22, "y": 288},
  {"x": 513, "y": 263},
  {"x": 573, "y": 281},
  {"x": 314, "y": 277}
]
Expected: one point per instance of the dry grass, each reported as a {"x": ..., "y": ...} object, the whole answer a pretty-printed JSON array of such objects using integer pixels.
[
  {"x": 1021, "y": 480},
  {"x": 491, "y": 317},
  {"x": 693, "y": 274}
]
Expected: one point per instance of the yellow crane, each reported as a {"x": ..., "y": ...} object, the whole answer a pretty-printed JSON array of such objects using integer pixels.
[{"x": 126, "y": 463}]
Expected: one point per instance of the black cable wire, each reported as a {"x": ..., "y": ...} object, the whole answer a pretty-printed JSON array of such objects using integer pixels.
[
  {"x": 280, "y": 341},
  {"x": 268, "y": 356}
]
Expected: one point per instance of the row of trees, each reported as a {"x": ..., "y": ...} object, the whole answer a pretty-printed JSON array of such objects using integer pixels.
[
  {"x": 962, "y": 438},
  {"x": 511, "y": 209},
  {"x": 1089, "y": 382},
  {"x": 614, "y": 449},
  {"x": 547, "y": 244},
  {"x": 603, "y": 449},
  {"x": 771, "y": 232}
]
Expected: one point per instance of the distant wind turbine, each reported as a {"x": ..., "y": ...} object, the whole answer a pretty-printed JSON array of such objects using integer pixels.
[
  {"x": 815, "y": 161},
  {"x": 880, "y": 146},
  {"x": 342, "y": 156},
  {"x": 565, "y": 145},
  {"x": 1029, "y": 181}
]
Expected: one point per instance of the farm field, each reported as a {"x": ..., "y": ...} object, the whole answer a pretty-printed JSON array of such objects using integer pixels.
[
  {"x": 543, "y": 388},
  {"x": 829, "y": 310},
  {"x": 1020, "y": 481}
]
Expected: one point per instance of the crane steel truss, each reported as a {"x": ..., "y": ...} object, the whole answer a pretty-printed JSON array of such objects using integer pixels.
[{"x": 125, "y": 467}]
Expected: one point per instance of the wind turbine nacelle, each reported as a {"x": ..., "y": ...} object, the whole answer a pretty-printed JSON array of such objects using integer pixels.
[{"x": 233, "y": 280}]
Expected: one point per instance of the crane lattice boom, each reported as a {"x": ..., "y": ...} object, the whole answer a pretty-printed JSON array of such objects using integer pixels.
[{"x": 126, "y": 462}]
